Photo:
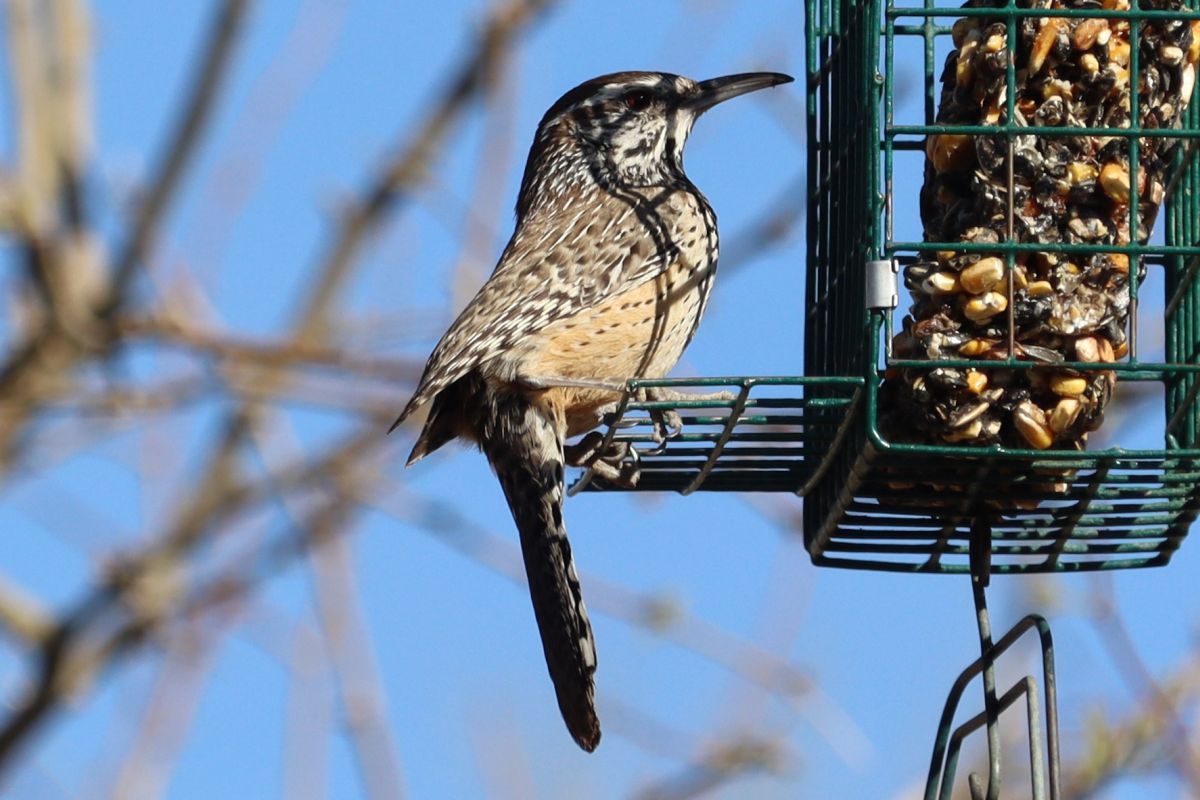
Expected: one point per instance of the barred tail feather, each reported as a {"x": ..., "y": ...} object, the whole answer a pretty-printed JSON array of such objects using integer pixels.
[
  {"x": 525, "y": 449},
  {"x": 438, "y": 428}
]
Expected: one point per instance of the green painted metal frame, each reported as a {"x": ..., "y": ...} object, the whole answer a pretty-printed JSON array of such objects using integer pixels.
[
  {"x": 819, "y": 435},
  {"x": 1123, "y": 507},
  {"x": 1045, "y": 773},
  {"x": 772, "y": 434}
]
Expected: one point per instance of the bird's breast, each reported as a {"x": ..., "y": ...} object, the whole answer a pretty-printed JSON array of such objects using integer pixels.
[{"x": 639, "y": 332}]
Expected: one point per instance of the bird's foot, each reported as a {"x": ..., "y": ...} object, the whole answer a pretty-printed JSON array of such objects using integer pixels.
[
  {"x": 667, "y": 422},
  {"x": 618, "y": 463}
]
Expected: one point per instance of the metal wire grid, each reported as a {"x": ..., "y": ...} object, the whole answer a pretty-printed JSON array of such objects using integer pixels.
[
  {"x": 1111, "y": 508},
  {"x": 981, "y": 510},
  {"x": 819, "y": 435},
  {"x": 1044, "y": 754},
  {"x": 977, "y": 510},
  {"x": 1048, "y": 511},
  {"x": 1179, "y": 258},
  {"x": 770, "y": 436}
]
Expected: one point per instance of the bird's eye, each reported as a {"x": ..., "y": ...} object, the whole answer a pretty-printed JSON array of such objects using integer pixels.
[{"x": 636, "y": 100}]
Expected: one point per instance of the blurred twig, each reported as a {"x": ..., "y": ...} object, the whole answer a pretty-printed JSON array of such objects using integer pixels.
[
  {"x": 735, "y": 758},
  {"x": 1143, "y": 741},
  {"x": 127, "y": 607},
  {"x": 1157, "y": 724},
  {"x": 179, "y": 150},
  {"x": 36, "y": 369},
  {"x": 652, "y": 613},
  {"x": 309, "y": 715},
  {"x": 780, "y": 219},
  {"x": 359, "y": 686},
  {"x": 269, "y": 354},
  {"x": 22, "y": 617},
  {"x": 411, "y": 163},
  {"x": 166, "y": 716}
]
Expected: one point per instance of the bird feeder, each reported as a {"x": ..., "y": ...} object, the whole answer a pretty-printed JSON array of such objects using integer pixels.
[{"x": 1052, "y": 264}]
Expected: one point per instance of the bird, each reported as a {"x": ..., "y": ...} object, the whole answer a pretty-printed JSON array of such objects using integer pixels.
[{"x": 605, "y": 279}]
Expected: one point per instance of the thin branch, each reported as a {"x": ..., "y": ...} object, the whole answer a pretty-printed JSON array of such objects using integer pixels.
[
  {"x": 654, "y": 614},
  {"x": 1140, "y": 743},
  {"x": 270, "y": 101},
  {"x": 411, "y": 164},
  {"x": 22, "y": 617},
  {"x": 309, "y": 717},
  {"x": 360, "y": 687},
  {"x": 735, "y": 758},
  {"x": 37, "y": 369},
  {"x": 268, "y": 354},
  {"x": 72, "y": 654},
  {"x": 172, "y": 703},
  {"x": 779, "y": 220},
  {"x": 1114, "y": 635},
  {"x": 180, "y": 149}
]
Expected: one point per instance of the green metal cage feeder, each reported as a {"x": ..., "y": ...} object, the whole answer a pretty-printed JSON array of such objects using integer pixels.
[
  {"x": 1124, "y": 507},
  {"x": 820, "y": 436}
]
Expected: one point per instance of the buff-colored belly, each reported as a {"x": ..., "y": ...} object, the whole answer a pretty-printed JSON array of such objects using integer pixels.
[{"x": 638, "y": 334}]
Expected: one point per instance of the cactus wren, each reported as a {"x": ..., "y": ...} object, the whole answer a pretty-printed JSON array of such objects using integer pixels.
[{"x": 605, "y": 279}]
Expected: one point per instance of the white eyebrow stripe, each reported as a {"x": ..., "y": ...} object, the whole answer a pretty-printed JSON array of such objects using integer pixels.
[{"x": 615, "y": 90}]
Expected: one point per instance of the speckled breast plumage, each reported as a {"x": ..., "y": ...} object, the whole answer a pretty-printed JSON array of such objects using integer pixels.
[{"x": 641, "y": 332}]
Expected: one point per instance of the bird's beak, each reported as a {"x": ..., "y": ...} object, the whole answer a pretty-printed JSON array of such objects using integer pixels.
[{"x": 718, "y": 90}]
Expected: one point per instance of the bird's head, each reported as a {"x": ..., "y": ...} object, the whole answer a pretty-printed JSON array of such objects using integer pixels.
[{"x": 628, "y": 128}]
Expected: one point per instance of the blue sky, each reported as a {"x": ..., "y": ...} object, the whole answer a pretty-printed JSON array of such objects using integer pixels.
[{"x": 320, "y": 93}]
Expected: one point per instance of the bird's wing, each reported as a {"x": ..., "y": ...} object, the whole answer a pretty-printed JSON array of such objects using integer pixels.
[{"x": 554, "y": 267}]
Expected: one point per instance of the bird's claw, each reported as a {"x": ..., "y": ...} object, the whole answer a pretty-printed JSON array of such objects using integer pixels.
[
  {"x": 667, "y": 425},
  {"x": 667, "y": 422},
  {"x": 619, "y": 463}
]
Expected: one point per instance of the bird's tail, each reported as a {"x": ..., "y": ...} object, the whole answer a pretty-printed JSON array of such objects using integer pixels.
[{"x": 525, "y": 448}]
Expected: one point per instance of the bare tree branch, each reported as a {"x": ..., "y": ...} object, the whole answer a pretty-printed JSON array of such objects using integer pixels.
[
  {"x": 36, "y": 370},
  {"x": 410, "y": 165},
  {"x": 180, "y": 149},
  {"x": 359, "y": 685}
]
